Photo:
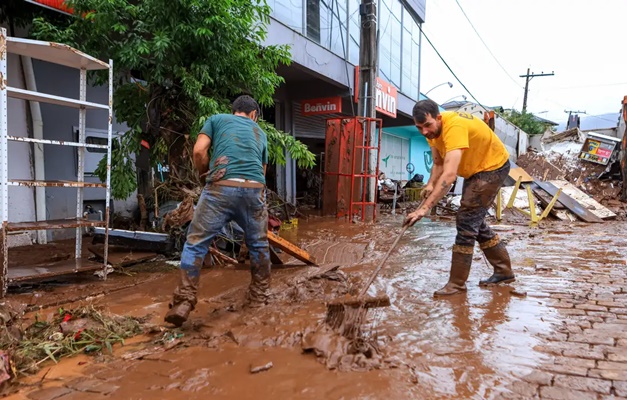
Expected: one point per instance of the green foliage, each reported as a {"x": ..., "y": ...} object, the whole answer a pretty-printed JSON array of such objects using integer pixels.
[
  {"x": 176, "y": 63},
  {"x": 279, "y": 142},
  {"x": 526, "y": 122}
]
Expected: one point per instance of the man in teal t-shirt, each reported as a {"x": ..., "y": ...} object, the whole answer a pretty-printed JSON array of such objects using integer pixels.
[{"x": 235, "y": 191}]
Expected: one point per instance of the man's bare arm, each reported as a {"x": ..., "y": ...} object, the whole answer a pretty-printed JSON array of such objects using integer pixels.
[
  {"x": 438, "y": 167},
  {"x": 446, "y": 178},
  {"x": 201, "y": 154},
  {"x": 265, "y": 166}
]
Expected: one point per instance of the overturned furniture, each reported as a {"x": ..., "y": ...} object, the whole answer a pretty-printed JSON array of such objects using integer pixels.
[{"x": 65, "y": 56}]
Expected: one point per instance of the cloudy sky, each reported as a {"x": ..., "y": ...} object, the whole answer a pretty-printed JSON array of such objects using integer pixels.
[{"x": 582, "y": 41}]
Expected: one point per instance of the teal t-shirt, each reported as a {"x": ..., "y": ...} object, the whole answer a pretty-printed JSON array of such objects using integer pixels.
[{"x": 240, "y": 148}]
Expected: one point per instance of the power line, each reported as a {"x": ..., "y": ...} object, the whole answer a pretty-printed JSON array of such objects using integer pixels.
[
  {"x": 448, "y": 67},
  {"x": 486, "y": 46}
]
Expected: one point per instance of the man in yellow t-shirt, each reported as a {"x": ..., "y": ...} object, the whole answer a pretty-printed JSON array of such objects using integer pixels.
[{"x": 464, "y": 145}]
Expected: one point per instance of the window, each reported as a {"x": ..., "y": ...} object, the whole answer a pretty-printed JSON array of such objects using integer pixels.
[
  {"x": 96, "y": 140},
  {"x": 326, "y": 24},
  {"x": 353, "y": 30},
  {"x": 289, "y": 12}
]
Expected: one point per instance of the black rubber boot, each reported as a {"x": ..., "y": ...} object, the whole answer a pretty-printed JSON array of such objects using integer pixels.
[
  {"x": 498, "y": 257},
  {"x": 460, "y": 269}
]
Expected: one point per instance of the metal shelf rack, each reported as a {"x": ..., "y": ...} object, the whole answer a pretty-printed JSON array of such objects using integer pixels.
[{"x": 67, "y": 56}]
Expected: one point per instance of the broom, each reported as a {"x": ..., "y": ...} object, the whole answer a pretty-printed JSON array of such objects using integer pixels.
[{"x": 347, "y": 315}]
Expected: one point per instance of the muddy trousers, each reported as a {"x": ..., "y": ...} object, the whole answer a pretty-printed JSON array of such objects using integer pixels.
[
  {"x": 478, "y": 194},
  {"x": 218, "y": 205}
]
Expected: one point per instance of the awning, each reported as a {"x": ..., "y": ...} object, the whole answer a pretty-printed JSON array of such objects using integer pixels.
[{"x": 57, "y": 5}]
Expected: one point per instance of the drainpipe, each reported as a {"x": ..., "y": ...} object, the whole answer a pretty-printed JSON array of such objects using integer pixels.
[{"x": 38, "y": 133}]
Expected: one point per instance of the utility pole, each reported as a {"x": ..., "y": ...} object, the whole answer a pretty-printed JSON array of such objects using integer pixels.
[
  {"x": 528, "y": 77},
  {"x": 368, "y": 71},
  {"x": 570, "y": 112}
]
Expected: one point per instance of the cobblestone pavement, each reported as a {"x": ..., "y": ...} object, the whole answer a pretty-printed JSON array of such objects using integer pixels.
[{"x": 558, "y": 332}]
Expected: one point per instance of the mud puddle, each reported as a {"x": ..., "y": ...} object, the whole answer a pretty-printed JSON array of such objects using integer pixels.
[{"x": 470, "y": 346}]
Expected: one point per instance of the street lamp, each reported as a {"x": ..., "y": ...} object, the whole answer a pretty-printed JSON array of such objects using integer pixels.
[
  {"x": 461, "y": 95},
  {"x": 437, "y": 86}
]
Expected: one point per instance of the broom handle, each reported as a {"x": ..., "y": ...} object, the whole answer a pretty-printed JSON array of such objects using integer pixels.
[{"x": 376, "y": 271}]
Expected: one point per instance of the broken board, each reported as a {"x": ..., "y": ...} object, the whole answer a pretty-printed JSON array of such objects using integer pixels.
[
  {"x": 517, "y": 172},
  {"x": 571, "y": 204},
  {"x": 291, "y": 249},
  {"x": 591, "y": 204},
  {"x": 121, "y": 257}
]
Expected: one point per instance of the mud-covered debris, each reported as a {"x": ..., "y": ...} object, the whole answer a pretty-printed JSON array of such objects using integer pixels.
[
  {"x": 518, "y": 293},
  {"x": 10, "y": 312},
  {"x": 261, "y": 368},
  {"x": 93, "y": 332}
]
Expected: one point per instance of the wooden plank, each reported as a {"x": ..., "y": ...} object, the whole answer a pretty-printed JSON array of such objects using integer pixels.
[
  {"x": 518, "y": 172},
  {"x": 575, "y": 207},
  {"x": 591, "y": 204},
  {"x": 291, "y": 249},
  {"x": 121, "y": 257}
]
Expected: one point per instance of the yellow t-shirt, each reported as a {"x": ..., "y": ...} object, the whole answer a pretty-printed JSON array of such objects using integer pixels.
[{"x": 483, "y": 150}]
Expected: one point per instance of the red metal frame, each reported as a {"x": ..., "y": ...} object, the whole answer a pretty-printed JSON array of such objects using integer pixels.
[{"x": 356, "y": 145}]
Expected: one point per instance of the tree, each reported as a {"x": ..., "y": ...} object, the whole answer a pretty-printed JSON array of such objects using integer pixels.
[
  {"x": 525, "y": 121},
  {"x": 176, "y": 63}
]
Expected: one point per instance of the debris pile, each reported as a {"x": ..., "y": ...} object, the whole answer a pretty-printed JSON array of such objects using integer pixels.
[
  {"x": 561, "y": 161},
  {"x": 82, "y": 330}
]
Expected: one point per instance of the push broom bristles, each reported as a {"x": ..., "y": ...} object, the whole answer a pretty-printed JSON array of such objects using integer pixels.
[{"x": 348, "y": 316}]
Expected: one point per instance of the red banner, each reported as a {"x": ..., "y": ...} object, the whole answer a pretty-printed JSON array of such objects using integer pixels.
[
  {"x": 386, "y": 95},
  {"x": 55, "y": 4},
  {"x": 326, "y": 105}
]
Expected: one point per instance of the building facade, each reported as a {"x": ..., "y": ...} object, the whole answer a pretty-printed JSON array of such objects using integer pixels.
[{"x": 324, "y": 37}]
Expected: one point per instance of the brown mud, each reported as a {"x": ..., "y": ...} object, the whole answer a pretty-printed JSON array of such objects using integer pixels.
[{"x": 488, "y": 343}]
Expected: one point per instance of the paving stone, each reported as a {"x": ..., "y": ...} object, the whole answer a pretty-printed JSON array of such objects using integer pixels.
[
  {"x": 562, "y": 296},
  {"x": 618, "y": 354},
  {"x": 608, "y": 327},
  {"x": 621, "y": 343},
  {"x": 591, "y": 338},
  {"x": 524, "y": 389},
  {"x": 611, "y": 365},
  {"x": 583, "y": 384},
  {"x": 590, "y": 307},
  {"x": 611, "y": 304},
  {"x": 592, "y": 354},
  {"x": 572, "y": 311},
  {"x": 575, "y": 362},
  {"x": 619, "y": 311},
  {"x": 620, "y": 388},
  {"x": 563, "y": 304},
  {"x": 538, "y": 377},
  {"x": 559, "y": 393},
  {"x": 565, "y": 369},
  {"x": 613, "y": 374},
  {"x": 600, "y": 314},
  {"x": 49, "y": 393}
]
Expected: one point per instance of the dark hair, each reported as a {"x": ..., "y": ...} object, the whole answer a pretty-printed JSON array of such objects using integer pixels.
[
  {"x": 424, "y": 107},
  {"x": 245, "y": 104}
]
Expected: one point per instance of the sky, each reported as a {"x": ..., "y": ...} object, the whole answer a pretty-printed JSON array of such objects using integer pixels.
[{"x": 581, "y": 41}]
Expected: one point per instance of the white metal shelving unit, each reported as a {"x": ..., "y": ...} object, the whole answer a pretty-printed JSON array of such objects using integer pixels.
[{"x": 63, "y": 55}]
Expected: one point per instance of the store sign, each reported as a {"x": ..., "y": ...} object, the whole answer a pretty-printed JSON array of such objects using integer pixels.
[
  {"x": 598, "y": 149},
  {"x": 386, "y": 96},
  {"x": 58, "y": 5},
  {"x": 326, "y": 105}
]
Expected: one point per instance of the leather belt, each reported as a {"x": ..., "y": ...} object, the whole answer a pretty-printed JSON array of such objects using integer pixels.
[{"x": 239, "y": 184}]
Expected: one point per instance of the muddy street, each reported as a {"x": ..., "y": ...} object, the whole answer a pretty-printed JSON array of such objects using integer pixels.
[{"x": 558, "y": 332}]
